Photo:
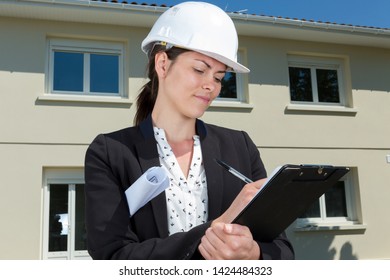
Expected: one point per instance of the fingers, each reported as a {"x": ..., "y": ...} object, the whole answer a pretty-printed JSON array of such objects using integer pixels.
[
  {"x": 224, "y": 240},
  {"x": 211, "y": 244},
  {"x": 251, "y": 189},
  {"x": 241, "y": 201},
  {"x": 262, "y": 182},
  {"x": 259, "y": 183},
  {"x": 228, "y": 241},
  {"x": 236, "y": 229}
]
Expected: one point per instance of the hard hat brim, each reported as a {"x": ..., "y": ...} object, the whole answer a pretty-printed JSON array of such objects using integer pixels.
[{"x": 233, "y": 66}]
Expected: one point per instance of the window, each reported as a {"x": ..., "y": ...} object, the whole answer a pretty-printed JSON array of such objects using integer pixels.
[
  {"x": 64, "y": 227},
  {"x": 85, "y": 68},
  {"x": 229, "y": 86},
  {"x": 232, "y": 86},
  {"x": 337, "y": 206},
  {"x": 316, "y": 81}
]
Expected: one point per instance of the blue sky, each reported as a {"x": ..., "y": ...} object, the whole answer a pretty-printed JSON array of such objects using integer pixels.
[{"x": 373, "y": 13}]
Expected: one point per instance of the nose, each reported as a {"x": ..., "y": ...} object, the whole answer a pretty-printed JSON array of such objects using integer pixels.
[{"x": 209, "y": 84}]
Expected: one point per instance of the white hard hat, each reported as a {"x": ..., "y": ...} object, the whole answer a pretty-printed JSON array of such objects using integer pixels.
[{"x": 197, "y": 26}]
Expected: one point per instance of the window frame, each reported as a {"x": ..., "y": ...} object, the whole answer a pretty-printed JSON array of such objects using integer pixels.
[
  {"x": 241, "y": 86},
  {"x": 86, "y": 47},
  {"x": 239, "y": 91},
  {"x": 353, "y": 218},
  {"x": 70, "y": 177},
  {"x": 314, "y": 63}
]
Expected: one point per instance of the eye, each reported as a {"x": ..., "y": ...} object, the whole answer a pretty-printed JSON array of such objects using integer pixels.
[
  {"x": 197, "y": 70},
  {"x": 218, "y": 80}
]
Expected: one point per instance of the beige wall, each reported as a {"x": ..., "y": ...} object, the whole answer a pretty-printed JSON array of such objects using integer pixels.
[
  {"x": 37, "y": 134},
  {"x": 22, "y": 171}
]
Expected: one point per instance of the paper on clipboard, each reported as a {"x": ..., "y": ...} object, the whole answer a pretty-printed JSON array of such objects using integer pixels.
[
  {"x": 269, "y": 178},
  {"x": 153, "y": 182}
]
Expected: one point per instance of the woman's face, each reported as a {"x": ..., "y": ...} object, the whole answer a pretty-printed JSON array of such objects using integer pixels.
[{"x": 190, "y": 83}]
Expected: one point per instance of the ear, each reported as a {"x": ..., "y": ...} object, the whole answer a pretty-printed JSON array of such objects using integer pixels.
[{"x": 162, "y": 63}]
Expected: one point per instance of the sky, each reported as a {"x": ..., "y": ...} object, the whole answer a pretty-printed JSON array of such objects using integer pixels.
[{"x": 372, "y": 13}]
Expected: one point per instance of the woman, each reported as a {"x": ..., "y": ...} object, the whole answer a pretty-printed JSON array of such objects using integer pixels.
[{"x": 190, "y": 48}]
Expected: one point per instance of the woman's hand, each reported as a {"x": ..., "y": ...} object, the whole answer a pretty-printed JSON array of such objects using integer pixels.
[
  {"x": 228, "y": 242},
  {"x": 224, "y": 240},
  {"x": 242, "y": 200}
]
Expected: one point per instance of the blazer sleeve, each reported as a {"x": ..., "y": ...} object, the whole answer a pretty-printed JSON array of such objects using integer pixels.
[
  {"x": 280, "y": 248},
  {"x": 110, "y": 232}
]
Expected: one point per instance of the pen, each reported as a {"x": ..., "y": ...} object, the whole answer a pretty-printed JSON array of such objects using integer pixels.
[{"x": 234, "y": 171}]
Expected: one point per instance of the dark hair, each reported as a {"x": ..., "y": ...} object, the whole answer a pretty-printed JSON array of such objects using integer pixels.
[{"x": 148, "y": 95}]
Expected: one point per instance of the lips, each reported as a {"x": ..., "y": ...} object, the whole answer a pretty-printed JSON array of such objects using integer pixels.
[{"x": 204, "y": 98}]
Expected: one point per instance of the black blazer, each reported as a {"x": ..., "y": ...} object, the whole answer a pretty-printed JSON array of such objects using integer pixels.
[{"x": 116, "y": 160}]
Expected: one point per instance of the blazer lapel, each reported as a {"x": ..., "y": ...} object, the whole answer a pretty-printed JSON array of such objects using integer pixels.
[
  {"x": 148, "y": 157},
  {"x": 214, "y": 174}
]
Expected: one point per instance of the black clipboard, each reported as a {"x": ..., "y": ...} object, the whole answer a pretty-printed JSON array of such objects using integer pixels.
[{"x": 286, "y": 196}]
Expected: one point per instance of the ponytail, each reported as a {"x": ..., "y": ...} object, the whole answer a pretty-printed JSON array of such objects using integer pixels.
[{"x": 148, "y": 95}]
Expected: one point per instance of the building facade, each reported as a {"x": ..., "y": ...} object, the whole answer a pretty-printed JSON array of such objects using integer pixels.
[{"x": 317, "y": 93}]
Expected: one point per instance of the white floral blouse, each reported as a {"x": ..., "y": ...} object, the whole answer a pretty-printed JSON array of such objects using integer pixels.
[{"x": 187, "y": 201}]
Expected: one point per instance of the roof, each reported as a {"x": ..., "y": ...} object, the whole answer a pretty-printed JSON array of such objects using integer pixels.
[
  {"x": 140, "y": 14},
  {"x": 126, "y": 2}
]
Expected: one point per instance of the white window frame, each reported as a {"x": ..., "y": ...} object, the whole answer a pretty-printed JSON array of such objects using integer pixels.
[
  {"x": 314, "y": 63},
  {"x": 70, "y": 177},
  {"x": 353, "y": 219},
  {"x": 86, "y": 47},
  {"x": 240, "y": 92},
  {"x": 241, "y": 85}
]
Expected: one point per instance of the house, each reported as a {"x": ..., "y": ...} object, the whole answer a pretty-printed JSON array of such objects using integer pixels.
[{"x": 317, "y": 93}]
